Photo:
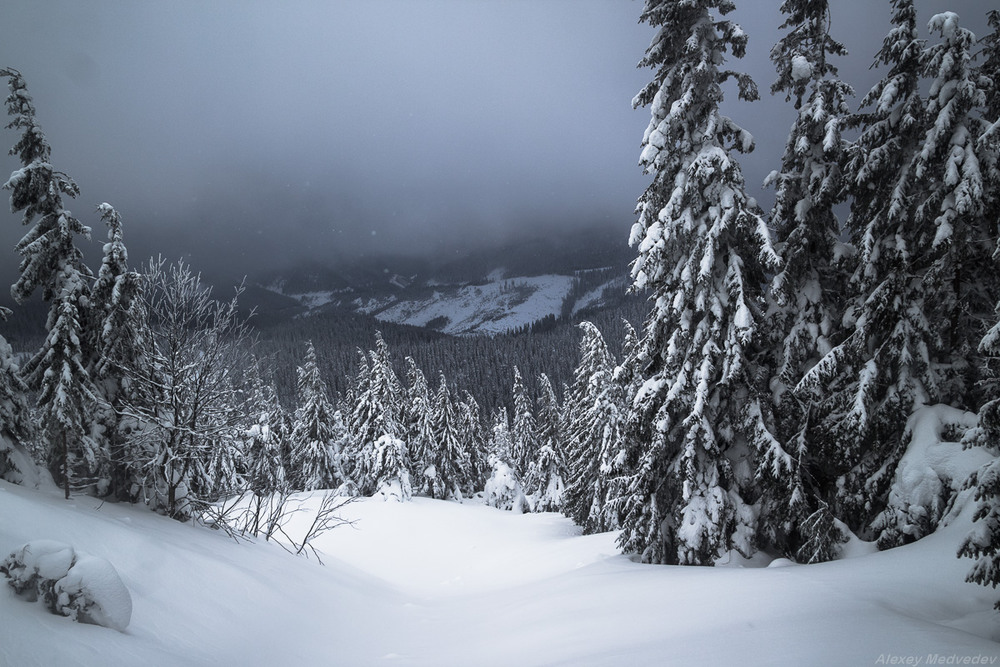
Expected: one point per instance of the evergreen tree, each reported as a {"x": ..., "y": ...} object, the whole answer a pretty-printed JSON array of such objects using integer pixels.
[
  {"x": 448, "y": 456},
  {"x": 990, "y": 66},
  {"x": 419, "y": 425},
  {"x": 983, "y": 543},
  {"x": 51, "y": 261},
  {"x": 545, "y": 479},
  {"x": 523, "y": 429},
  {"x": 703, "y": 250},
  {"x": 315, "y": 459},
  {"x": 503, "y": 488},
  {"x": 473, "y": 436},
  {"x": 917, "y": 220},
  {"x": 15, "y": 421},
  {"x": 266, "y": 432},
  {"x": 120, "y": 339},
  {"x": 389, "y": 469},
  {"x": 377, "y": 413},
  {"x": 584, "y": 425},
  {"x": 809, "y": 287}
]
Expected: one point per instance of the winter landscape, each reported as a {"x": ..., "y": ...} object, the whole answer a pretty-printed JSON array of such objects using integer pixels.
[{"x": 761, "y": 427}]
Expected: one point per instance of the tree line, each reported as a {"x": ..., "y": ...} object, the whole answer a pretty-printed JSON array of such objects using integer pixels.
[{"x": 764, "y": 403}]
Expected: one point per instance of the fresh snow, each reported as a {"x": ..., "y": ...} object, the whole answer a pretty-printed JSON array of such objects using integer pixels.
[
  {"x": 492, "y": 308},
  {"x": 497, "y": 306},
  {"x": 440, "y": 583}
]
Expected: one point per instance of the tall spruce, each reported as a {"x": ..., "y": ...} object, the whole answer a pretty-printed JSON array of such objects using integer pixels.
[
  {"x": 377, "y": 414},
  {"x": 809, "y": 288},
  {"x": 418, "y": 411},
  {"x": 315, "y": 440},
  {"x": 267, "y": 430},
  {"x": 703, "y": 253},
  {"x": 523, "y": 427},
  {"x": 449, "y": 457},
  {"x": 15, "y": 419},
  {"x": 588, "y": 428},
  {"x": 545, "y": 480},
  {"x": 51, "y": 262},
  {"x": 120, "y": 340}
]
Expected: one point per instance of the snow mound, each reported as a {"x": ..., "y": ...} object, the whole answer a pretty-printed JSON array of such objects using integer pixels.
[
  {"x": 929, "y": 488},
  {"x": 83, "y": 587}
]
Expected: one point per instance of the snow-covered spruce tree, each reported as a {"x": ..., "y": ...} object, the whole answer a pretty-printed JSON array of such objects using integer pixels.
[
  {"x": 418, "y": 411},
  {"x": 952, "y": 206},
  {"x": 809, "y": 289},
  {"x": 588, "y": 411},
  {"x": 523, "y": 428},
  {"x": 315, "y": 456},
  {"x": 545, "y": 480},
  {"x": 51, "y": 261},
  {"x": 917, "y": 220},
  {"x": 448, "y": 456},
  {"x": 703, "y": 250},
  {"x": 989, "y": 71},
  {"x": 15, "y": 420},
  {"x": 390, "y": 469},
  {"x": 881, "y": 372},
  {"x": 983, "y": 543},
  {"x": 120, "y": 338},
  {"x": 473, "y": 437},
  {"x": 377, "y": 413},
  {"x": 956, "y": 188},
  {"x": 266, "y": 432},
  {"x": 189, "y": 406},
  {"x": 503, "y": 488}
]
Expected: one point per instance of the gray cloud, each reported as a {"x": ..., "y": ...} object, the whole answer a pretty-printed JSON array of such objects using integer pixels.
[{"x": 251, "y": 135}]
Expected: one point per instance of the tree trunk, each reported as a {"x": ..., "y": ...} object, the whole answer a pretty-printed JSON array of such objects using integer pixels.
[{"x": 65, "y": 455}]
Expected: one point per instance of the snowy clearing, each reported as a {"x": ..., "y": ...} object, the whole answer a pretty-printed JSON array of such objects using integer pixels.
[{"x": 439, "y": 583}]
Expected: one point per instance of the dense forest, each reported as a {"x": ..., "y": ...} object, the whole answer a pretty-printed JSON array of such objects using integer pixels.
[{"x": 758, "y": 390}]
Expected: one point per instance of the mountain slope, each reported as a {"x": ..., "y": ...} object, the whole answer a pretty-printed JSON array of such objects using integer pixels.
[{"x": 438, "y": 583}]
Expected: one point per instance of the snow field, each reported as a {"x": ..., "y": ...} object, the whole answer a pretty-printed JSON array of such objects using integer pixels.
[{"x": 440, "y": 583}]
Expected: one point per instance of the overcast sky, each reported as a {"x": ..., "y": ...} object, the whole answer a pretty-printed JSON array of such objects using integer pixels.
[{"x": 252, "y": 135}]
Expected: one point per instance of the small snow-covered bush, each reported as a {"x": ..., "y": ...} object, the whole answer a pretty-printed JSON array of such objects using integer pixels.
[
  {"x": 71, "y": 583},
  {"x": 503, "y": 489}
]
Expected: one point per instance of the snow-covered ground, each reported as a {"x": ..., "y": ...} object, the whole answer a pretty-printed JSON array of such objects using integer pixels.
[
  {"x": 439, "y": 583},
  {"x": 491, "y": 308}
]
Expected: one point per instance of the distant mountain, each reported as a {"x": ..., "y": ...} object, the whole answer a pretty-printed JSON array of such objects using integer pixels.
[{"x": 483, "y": 293}]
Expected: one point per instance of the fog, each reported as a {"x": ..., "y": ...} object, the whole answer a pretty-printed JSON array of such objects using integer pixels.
[{"x": 252, "y": 136}]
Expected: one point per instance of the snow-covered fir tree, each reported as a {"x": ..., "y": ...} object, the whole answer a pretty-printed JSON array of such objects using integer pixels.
[
  {"x": 592, "y": 430},
  {"x": 545, "y": 480},
  {"x": 503, "y": 488},
  {"x": 951, "y": 208},
  {"x": 377, "y": 413},
  {"x": 15, "y": 419},
  {"x": 418, "y": 414},
  {"x": 983, "y": 543},
  {"x": 265, "y": 435},
  {"x": 389, "y": 469},
  {"x": 809, "y": 289},
  {"x": 916, "y": 220},
  {"x": 120, "y": 339},
  {"x": 523, "y": 427},
  {"x": 315, "y": 440},
  {"x": 51, "y": 262},
  {"x": 703, "y": 253},
  {"x": 448, "y": 456},
  {"x": 474, "y": 438}
]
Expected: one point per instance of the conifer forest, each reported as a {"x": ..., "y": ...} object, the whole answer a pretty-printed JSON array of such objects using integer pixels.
[{"x": 782, "y": 383}]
